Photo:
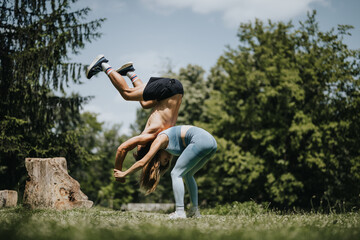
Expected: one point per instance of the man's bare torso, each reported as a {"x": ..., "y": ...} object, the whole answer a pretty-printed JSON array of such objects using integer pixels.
[{"x": 163, "y": 115}]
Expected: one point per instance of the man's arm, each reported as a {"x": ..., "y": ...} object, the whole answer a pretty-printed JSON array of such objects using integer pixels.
[
  {"x": 148, "y": 104},
  {"x": 129, "y": 145}
]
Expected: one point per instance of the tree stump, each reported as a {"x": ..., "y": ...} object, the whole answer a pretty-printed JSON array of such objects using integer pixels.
[
  {"x": 50, "y": 186},
  {"x": 8, "y": 198}
]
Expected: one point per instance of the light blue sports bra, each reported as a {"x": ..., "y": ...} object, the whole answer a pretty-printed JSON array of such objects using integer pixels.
[{"x": 175, "y": 146}]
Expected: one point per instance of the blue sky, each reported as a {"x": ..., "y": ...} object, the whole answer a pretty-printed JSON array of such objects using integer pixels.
[{"x": 154, "y": 33}]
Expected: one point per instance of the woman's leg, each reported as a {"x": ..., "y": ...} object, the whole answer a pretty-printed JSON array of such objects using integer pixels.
[
  {"x": 190, "y": 180},
  {"x": 190, "y": 161},
  {"x": 183, "y": 164}
]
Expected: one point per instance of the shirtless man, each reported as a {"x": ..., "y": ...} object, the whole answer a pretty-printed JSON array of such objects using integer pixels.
[{"x": 164, "y": 95}]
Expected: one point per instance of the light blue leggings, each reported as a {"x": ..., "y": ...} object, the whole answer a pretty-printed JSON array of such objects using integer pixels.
[{"x": 201, "y": 145}]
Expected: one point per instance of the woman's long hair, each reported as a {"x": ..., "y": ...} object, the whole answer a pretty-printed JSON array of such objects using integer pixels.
[
  {"x": 151, "y": 173},
  {"x": 142, "y": 151}
]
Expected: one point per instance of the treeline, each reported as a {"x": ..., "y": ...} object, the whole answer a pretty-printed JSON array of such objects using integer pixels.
[{"x": 283, "y": 105}]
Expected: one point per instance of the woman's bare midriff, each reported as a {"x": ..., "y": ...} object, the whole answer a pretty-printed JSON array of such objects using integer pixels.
[{"x": 183, "y": 132}]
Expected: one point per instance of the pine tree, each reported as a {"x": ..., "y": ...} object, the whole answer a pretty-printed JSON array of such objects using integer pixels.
[{"x": 37, "y": 37}]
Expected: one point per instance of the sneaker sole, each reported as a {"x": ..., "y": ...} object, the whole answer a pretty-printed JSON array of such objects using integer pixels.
[
  {"x": 124, "y": 66},
  {"x": 176, "y": 216},
  {"x": 93, "y": 63}
]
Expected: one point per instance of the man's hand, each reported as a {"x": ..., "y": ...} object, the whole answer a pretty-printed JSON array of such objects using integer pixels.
[{"x": 119, "y": 176}]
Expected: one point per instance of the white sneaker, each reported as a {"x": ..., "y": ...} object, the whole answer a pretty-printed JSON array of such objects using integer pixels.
[
  {"x": 193, "y": 213},
  {"x": 177, "y": 215}
]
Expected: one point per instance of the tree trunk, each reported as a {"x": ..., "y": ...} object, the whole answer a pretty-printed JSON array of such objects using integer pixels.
[
  {"x": 8, "y": 198},
  {"x": 50, "y": 186}
]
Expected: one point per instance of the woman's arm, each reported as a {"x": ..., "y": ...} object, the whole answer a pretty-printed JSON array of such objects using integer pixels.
[
  {"x": 129, "y": 145},
  {"x": 135, "y": 167},
  {"x": 158, "y": 144}
]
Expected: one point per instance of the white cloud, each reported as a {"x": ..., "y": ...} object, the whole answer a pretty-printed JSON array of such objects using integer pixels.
[{"x": 236, "y": 11}]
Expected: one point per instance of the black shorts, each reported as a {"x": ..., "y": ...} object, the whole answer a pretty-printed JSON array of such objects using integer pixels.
[{"x": 162, "y": 88}]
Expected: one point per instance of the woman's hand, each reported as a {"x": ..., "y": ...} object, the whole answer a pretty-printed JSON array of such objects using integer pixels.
[{"x": 119, "y": 175}]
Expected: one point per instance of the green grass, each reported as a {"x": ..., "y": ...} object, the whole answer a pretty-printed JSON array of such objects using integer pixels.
[{"x": 236, "y": 221}]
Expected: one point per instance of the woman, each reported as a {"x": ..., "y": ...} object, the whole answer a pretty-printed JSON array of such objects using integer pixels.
[{"x": 193, "y": 145}]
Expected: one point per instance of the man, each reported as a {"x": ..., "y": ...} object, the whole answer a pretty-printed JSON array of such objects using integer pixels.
[{"x": 163, "y": 95}]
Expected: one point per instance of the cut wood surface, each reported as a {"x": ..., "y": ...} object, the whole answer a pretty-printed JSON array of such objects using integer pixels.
[
  {"x": 50, "y": 186},
  {"x": 8, "y": 198}
]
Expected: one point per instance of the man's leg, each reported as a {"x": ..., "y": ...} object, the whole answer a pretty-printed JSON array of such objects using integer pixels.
[
  {"x": 131, "y": 94},
  {"x": 128, "y": 70}
]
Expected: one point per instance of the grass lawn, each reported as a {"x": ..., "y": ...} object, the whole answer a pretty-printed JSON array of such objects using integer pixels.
[{"x": 239, "y": 221}]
